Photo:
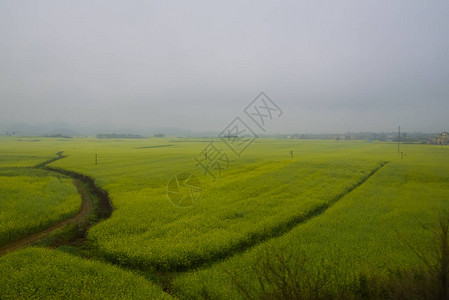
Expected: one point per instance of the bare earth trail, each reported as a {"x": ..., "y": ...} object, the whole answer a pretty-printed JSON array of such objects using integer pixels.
[
  {"x": 86, "y": 188},
  {"x": 87, "y": 207}
]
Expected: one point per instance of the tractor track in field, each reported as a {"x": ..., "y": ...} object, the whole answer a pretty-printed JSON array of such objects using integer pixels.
[
  {"x": 276, "y": 231},
  {"x": 284, "y": 228},
  {"x": 86, "y": 189}
]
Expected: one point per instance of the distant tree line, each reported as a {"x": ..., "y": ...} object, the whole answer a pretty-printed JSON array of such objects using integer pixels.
[
  {"x": 58, "y": 135},
  {"x": 406, "y": 137},
  {"x": 118, "y": 136}
]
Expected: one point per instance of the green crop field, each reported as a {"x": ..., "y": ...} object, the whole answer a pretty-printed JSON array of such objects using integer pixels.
[
  {"x": 42, "y": 274},
  {"x": 248, "y": 150},
  {"x": 353, "y": 207},
  {"x": 366, "y": 232},
  {"x": 32, "y": 200}
]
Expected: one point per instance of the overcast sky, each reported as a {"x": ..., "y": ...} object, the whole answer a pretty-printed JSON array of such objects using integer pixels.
[{"x": 332, "y": 66}]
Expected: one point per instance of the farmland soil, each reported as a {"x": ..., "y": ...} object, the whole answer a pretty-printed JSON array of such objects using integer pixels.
[
  {"x": 86, "y": 208},
  {"x": 86, "y": 188}
]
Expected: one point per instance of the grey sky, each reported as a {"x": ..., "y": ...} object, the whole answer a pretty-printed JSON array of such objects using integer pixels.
[{"x": 333, "y": 66}]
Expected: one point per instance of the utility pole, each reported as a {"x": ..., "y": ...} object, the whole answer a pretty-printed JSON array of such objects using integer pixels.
[
  {"x": 405, "y": 143},
  {"x": 399, "y": 138},
  {"x": 96, "y": 159}
]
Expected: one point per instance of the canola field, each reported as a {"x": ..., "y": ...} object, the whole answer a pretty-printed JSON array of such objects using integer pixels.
[
  {"x": 36, "y": 273},
  {"x": 32, "y": 200},
  {"x": 345, "y": 205},
  {"x": 366, "y": 232}
]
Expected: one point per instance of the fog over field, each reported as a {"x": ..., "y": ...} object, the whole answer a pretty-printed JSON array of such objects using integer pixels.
[
  {"x": 224, "y": 149},
  {"x": 332, "y": 66}
]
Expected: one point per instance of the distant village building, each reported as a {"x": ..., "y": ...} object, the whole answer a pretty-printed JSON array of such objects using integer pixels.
[{"x": 442, "y": 139}]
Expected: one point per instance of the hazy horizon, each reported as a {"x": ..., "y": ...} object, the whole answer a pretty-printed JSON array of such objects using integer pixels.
[{"x": 331, "y": 66}]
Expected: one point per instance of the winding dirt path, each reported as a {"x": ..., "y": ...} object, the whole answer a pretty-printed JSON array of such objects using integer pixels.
[{"x": 87, "y": 207}]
